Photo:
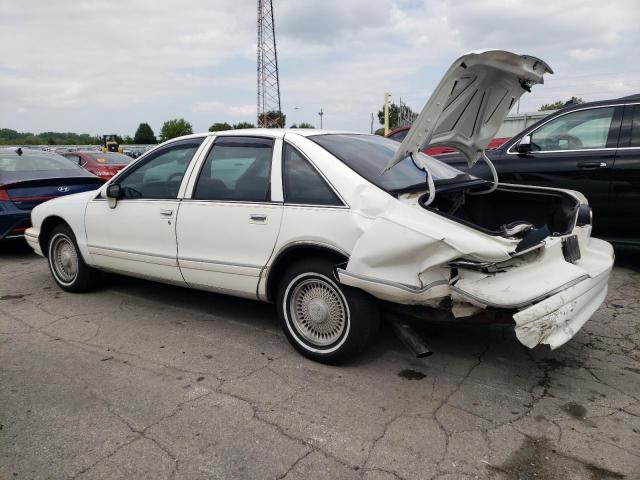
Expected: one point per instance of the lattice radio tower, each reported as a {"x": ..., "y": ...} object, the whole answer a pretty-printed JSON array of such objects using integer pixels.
[{"x": 268, "y": 78}]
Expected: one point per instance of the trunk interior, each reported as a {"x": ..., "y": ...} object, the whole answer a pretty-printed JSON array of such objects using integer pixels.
[{"x": 498, "y": 212}]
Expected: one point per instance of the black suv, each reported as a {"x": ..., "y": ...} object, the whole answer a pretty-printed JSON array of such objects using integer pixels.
[{"x": 593, "y": 148}]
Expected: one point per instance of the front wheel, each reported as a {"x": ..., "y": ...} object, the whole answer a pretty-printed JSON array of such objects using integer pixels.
[
  {"x": 67, "y": 266},
  {"x": 325, "y": 321}
]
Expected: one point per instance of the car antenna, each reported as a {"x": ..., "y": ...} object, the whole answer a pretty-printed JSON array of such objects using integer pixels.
[{"x": 19, "y": 151}]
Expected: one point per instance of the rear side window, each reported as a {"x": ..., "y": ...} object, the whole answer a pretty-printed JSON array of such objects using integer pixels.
[
  {"x": 236, "y": 169},
  {"x": 302, "y": 183}
]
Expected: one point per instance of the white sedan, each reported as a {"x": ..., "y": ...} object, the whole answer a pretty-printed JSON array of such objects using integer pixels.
[{"x": 329, "y": 225}]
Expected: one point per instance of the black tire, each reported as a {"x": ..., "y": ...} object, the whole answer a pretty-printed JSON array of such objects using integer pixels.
[
  {"x": 62, "y": 243},
  {"x": 351, "y": 315}
]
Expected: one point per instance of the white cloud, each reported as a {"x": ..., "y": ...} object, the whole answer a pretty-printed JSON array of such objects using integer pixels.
[
  {"x": 108, "y": 65},
  {"x": 585, "y": 54}
]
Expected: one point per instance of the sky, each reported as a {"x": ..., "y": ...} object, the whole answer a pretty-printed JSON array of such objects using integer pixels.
[{"x": 104, "y": 66}]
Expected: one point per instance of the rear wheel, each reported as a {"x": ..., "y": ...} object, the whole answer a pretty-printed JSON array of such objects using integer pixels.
[
  {"x": 323, "y": 320},
  {"x": 68, "y": 268}
]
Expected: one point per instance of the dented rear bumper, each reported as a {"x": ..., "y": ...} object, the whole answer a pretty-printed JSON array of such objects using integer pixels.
[
  {"x": 552, "y": 298},
  {"x": 556, "y": 319}
]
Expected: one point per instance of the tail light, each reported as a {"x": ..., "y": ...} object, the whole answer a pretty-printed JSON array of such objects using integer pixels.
[{"x": 4, "y": 196}]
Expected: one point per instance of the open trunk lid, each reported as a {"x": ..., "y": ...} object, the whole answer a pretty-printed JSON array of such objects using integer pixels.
[{"x": 469, "y": 104}]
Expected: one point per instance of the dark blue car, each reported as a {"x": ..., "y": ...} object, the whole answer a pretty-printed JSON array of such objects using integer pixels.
[{"x": 30, "y": 177}]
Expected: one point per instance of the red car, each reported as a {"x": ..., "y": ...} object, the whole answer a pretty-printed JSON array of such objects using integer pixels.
[
  {"x": 103, "y": 165},
  {"x": 399, "y": 133}
]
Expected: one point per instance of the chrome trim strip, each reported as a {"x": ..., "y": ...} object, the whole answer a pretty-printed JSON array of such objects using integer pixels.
[
  {"x": 537, "y": 299},
  {"x": 234, "y": 202},
  {"x": 568, "y": 151},
  {"x": 217, "y": 262},
  {"x": 312, "y": 243},
  {"x": 147, "y": 254},
  {"x": 401, "y": 286}
]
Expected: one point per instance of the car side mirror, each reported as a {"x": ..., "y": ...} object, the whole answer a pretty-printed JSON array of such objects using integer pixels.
[
  {"x": 524, "y": 145},
  {"x": 113, "y": 193}
]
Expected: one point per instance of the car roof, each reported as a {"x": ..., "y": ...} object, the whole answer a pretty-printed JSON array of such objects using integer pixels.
[
  {"x": 599, "y": 103},
  {"x": 279, "y": 132},
  {"x": 30, "y": 151}
]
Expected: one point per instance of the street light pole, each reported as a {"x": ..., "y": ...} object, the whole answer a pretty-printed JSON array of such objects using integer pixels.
[{"x": 321, "y": 113}]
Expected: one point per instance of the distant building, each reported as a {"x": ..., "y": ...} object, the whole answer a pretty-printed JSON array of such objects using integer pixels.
[{"x": 516, "y": 122}]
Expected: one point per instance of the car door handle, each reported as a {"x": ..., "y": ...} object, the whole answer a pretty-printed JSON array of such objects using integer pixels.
[
  {"x": 257, "y": 218},
  {"x": 166, "y": 212},
  {"x": 592, "y": 165}
]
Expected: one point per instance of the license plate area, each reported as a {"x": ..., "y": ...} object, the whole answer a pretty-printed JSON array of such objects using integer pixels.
[{"x": 571, "y": 249}]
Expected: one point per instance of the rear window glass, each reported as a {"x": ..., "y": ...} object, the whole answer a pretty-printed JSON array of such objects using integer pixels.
[
  {"x": 369, "y": 156},
  {"x": 29, "y": 162},
  {"x": 110, "y": 158}
]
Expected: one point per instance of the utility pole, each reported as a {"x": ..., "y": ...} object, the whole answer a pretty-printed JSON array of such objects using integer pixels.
[
  {"x": 268, "y": 75},
  {"x": 321, "y": 113},
  {"x": 386, "y": 113},
  {"x": 371, "y": 122}
]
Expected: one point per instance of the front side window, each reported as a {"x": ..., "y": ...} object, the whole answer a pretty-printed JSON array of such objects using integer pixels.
[
  {"x": 302, "y": 183},
  {"x": 584, "y": 129},
  {"x": 159, "y": 176},
  {"x": 236, "y": 169}
]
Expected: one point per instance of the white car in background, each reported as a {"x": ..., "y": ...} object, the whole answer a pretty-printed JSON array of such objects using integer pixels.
[{"x": 328, "y": 225}]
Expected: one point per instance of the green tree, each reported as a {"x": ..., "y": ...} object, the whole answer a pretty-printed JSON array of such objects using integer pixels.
[
  {"x": 272, "y": 119},
  {"x": 219, "y": 127},
  {"x": 175, "y": 127},
  {"x": 380, "y": 132},
  {"x": 399, "y": 115},
  {"x": 305, "y": 125},
  {"x": 128, "y": 140},
  {"x": 144, "y": 135},
  {"x": 559, "y": 104},
  {"x": 241, "y": 125}
]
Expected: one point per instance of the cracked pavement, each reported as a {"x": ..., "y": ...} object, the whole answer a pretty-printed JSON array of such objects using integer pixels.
[{"x": 142, "y": 380}]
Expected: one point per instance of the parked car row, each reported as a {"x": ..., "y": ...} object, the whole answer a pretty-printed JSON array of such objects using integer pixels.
[{"x": 30, "y": 177}]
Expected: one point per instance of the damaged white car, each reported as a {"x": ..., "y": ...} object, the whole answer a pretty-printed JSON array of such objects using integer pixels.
[{"x": 331, "y": 226}]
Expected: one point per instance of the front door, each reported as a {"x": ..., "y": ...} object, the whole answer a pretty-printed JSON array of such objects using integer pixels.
[
  {"x": 228, "y": 228},
  {"x": 138, "y": 236},
  {"x": 573, "y": 151}
]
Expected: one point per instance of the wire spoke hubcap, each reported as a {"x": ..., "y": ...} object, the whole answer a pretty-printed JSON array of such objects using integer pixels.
[
  {"x": 64, "y": 259},
  {"x": 318, "y": 312}
]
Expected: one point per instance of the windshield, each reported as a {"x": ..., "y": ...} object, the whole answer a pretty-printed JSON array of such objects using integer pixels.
[
  {"x": 30, "y": 162},
  {"x": 109, "y": 158},
  {"x": 368, "y": 155}
]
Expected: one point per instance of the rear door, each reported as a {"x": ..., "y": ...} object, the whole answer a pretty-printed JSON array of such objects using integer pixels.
[
  {"x": 575, "y": 151},
  {"x": 228, "y": 226},
  {"x": 625, "y": 184}
]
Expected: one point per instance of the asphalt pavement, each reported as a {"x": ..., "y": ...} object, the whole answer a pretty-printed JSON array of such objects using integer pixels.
[{"x": 142, "y": 380}]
